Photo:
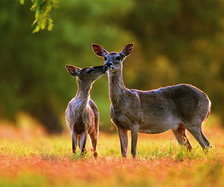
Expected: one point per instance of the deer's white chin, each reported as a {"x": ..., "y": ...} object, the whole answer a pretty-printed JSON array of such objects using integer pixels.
[{"x": 114, "y": 70}]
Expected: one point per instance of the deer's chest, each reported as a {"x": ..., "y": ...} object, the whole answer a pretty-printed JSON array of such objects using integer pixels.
[
  {"x": 125, "y": 118},
  {"x": 126, "y": 110},
  {"x": 83, "y": 120}
]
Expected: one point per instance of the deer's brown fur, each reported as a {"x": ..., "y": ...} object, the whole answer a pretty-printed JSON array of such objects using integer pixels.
[
  {"x": 177, "y": 107},
  {"x": 81, "y": 113}
]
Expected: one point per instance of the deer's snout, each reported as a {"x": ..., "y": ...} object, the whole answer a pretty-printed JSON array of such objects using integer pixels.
[{"x": 110, "y": 65}]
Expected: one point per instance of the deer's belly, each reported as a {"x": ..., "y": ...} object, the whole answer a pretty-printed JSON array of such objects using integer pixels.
[
  {"x": 152, "y": 131},
  {"x": 147, "y": 122},
  {"x": 158, "y": 127}
]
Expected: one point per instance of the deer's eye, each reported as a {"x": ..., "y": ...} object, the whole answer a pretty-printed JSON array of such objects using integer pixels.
[{"x": 118, "y": 58}]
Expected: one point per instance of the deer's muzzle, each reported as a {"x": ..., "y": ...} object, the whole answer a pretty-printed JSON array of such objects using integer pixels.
[{"x": 110, "y": 65}]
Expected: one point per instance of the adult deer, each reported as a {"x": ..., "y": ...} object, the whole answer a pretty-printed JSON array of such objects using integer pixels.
[
  {"x": 177, "y": 107},
  {"x": 81, "y": 114}
]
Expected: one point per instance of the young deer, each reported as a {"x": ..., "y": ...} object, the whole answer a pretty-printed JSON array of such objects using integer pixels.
[
  {"x": 177, "y": 107},
  {"x": 81, "y": 114}
]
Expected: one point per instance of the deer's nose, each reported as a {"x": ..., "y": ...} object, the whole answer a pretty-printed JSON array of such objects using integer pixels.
[{"x": 110, "y": 64}]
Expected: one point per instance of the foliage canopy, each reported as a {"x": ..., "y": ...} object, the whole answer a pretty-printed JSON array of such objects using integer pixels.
[{"x": 175, "y": 41}]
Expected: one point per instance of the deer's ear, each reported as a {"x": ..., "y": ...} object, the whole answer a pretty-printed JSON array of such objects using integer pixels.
[
  {"x": 100, "y": 51},
  {"x": 73, "y": 70},
  {"x": 127, "y": 50}
]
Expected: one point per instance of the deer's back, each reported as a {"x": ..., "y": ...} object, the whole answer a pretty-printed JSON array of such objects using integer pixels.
[{"x": 182, "y": 101}]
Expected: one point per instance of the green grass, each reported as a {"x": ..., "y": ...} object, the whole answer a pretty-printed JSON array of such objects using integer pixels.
[
  {"x": 60, "y": 146},
  {"x": 41, "y": 160}
]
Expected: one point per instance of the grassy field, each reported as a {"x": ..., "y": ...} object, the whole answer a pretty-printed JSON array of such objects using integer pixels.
[{"x": 30, "y": 157}]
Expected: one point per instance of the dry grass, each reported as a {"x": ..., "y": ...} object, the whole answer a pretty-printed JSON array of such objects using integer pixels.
[{"x": 29, "y": 157}]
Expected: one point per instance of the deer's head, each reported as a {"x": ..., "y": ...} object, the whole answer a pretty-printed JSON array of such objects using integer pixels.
[
  {"x": 113, "y": 60},
  {"x": 88, "y": 74}
]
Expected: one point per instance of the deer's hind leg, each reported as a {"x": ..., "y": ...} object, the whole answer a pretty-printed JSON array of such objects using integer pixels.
[
  {"x": 198, "y": 135},
  {"x": 93, "y": 137},
  {"x": 205, "y": 139},
  {"x": 181, "y": 136},
  {"x": 82, "y": 143}
]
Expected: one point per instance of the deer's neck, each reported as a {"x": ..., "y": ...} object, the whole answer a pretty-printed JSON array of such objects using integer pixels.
[
  {"x": 83, "y": 93},
  {"x": 116, "y": 86}
]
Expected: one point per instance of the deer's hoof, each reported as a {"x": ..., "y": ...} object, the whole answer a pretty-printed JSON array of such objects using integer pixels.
[
  {"x": 124, "y": 156},
  {"x": 84, "y": 151},
  {"x": 95, "y": 154}
]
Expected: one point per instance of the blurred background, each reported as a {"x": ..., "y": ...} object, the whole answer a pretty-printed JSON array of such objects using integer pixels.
[{"x": 176, "y": 41}]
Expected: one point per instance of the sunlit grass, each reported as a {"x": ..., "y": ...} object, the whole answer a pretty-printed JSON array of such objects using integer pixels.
[
  {"x": 27, "y": 156},
  {"x": 60, "y": 147}
]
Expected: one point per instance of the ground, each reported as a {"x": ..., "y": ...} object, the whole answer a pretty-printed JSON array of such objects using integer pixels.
[{"x": 30, "y": 157}]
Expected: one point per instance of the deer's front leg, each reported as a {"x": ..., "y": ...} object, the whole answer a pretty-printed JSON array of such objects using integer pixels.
[
  {"x": 134, "y": 140},
  {"x": 123, "y": 136}
]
